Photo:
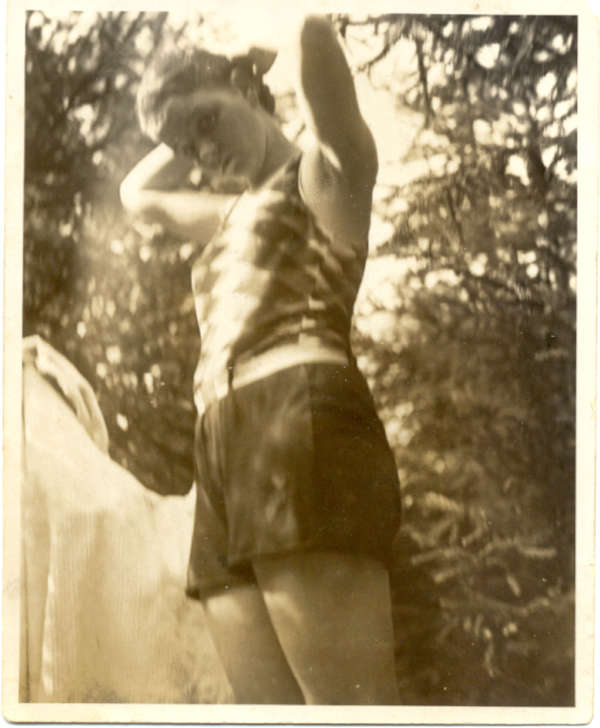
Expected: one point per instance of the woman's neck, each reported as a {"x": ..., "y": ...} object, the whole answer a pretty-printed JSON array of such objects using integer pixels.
[{"x": 278, "y": 150}]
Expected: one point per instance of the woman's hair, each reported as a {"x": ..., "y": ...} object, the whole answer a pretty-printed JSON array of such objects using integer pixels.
[{"x": 173, "y": 71}]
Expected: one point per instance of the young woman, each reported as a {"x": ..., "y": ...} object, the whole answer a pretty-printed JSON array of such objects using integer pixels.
[{"x": 297, "y": 493}]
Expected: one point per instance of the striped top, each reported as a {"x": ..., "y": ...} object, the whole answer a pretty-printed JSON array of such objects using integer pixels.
[{"x": 269, "y": 277}]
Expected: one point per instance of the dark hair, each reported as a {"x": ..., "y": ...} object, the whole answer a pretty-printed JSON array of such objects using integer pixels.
[{"x": 175, "y": 71}]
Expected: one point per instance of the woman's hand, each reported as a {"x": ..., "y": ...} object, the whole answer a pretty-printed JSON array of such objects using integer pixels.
[{"x": 269, "y": 30}]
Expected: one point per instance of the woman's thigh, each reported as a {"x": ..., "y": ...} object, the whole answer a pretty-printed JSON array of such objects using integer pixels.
[
  {"x": 248, "y": 647},
  {"x": 332, "y": 615}
]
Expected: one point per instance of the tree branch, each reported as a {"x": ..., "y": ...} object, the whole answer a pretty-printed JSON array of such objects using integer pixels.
[{"x": 423, "y": 79}]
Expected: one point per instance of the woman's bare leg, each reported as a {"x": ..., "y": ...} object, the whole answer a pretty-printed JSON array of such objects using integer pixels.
[
  {"x": 332, "y": 615},
  {"x": 248, "y": 647}
]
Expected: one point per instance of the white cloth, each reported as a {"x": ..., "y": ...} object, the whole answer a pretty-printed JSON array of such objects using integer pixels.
[{"x": 104, "y": 617}]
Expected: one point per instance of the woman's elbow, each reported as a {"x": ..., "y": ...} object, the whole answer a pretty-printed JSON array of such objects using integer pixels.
[
  {"x": 372, "y": 160},
  {"x": 362, "y": 158},
  {"x": 131, "y": 199},
  {"x": 139, "y": 204}
]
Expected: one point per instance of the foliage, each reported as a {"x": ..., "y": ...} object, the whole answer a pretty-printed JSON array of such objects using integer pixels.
[
  {"x": 473, "y": 369},
  {"x": 481, "y": 353},
  {"x": 93, "y": 284}
]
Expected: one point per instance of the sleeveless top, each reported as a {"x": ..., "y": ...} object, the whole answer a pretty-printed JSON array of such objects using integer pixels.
[{"x": 271, "y": 276}]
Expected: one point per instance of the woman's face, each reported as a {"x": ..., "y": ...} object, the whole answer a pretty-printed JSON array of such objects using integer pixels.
[{"x": 221, "y": 129}]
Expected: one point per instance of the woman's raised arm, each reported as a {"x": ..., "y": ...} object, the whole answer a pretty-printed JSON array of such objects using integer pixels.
[
  {"x": 338, "y": 169},
  {"x": 328, "y": 100},
  {"x": 155, "y": 191}
]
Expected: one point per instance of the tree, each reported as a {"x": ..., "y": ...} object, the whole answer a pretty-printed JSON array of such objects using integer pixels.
[
  {"x": 476, "y": 371},
  {"x": 98, "y": 289}
]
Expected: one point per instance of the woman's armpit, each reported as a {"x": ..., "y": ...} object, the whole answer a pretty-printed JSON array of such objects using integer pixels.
[{"x": 340, "y": 203}]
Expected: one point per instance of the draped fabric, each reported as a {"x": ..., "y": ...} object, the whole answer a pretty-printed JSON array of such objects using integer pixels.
[{"x": 104, "y": 617}]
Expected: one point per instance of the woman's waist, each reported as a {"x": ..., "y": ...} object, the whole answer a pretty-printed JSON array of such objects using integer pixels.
[{"x": 213, "y": 380}]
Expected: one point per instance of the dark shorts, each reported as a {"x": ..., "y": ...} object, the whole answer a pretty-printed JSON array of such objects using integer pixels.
[{"x": 296, "y": 461}]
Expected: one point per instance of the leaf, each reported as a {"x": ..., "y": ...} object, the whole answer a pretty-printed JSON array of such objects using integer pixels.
[{"x": 514, "y": 585}]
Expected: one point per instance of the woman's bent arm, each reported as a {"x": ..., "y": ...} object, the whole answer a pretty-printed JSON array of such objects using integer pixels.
[
  {"x": 154, "y": 191},
  {"x": 160, "y": 169}
]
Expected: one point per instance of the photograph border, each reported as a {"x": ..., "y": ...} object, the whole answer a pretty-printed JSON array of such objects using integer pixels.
[{"x": 587, "y": 327}]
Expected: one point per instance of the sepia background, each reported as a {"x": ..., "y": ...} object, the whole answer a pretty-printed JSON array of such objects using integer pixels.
[{"x": 465, "y": 325}]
